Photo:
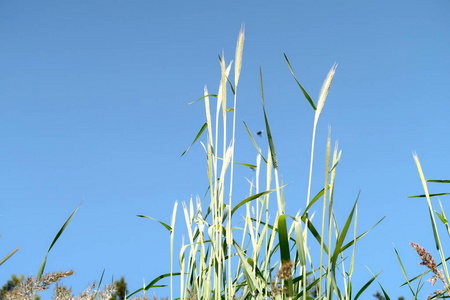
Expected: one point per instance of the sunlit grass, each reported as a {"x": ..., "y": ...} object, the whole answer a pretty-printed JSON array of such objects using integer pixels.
[{"x": 268, "y": 256}]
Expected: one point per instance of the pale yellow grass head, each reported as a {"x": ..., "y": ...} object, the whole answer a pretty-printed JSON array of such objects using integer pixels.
[
  {"x": 238, "y": 57},
  {"x": 324, "y": 91}
]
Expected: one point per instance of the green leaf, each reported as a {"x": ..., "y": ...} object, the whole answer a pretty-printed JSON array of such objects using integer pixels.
[
  {"x": 153, "y": 283},
  {"x": 431, "y": 195},
  {"x": 269, "y": 135},
  {"x": 253, "y": 197},
  {"x": 162, "y": 223},
  {"x": 384, "y": 292},
  {"x": 257, "y": 271},
  {"x": 342, "y": 236},
  {"x": 300, "y": 242},
  {"x": 283, "y": 237},
  {"x": 368, "y": 283},
  {"x": 317, "y": 197},
  {"x": 210, "y": 95},
  {"x": 404, "y": 273},
  {"x": 315, "y": 233},
  {"x": 254, "y": 142},
  {"x": 196, "y": 138},
  {"x": 42, "y": 267},
  {"x": 9, "y": 255},
  {"x": 349, "y": 244},
  {"x": 303, "y": 90},
  {"x": 443, "y": 220},
  {"x": 438, "y": 181},
  {"x": 100, "y": 284},
  {"x": 248, "y": 272}
]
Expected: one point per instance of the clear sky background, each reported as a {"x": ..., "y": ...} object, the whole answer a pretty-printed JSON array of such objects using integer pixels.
[{"x": 92, "y": 109}]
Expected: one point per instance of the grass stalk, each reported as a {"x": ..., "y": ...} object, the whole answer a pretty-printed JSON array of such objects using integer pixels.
[{"x": 433, "y": 221}]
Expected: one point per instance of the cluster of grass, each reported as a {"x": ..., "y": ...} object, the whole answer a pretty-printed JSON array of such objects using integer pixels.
[
  {"x": 268, "y": 256},
  {"x": 241, "y": 249}
]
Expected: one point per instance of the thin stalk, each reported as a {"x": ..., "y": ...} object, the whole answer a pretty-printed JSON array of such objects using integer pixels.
[
  {"x": 325, "y": 193},
  {"x": 433, "y": 221},
  {"x": 172, "y": 233}
]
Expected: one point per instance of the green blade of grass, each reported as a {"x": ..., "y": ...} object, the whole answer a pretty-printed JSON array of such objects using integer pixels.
[
  {"x": 314, "y": 200},
  {"x": 42, "y": 267},
  {"x": 441, "y": 217},
  {"x": 257, "y": 270},
  {"x": 9, "y": 255},
  {"x": 162, "y": 223},
  {"x": 196, "y": 138},
  {"x": 438, "y": 180},
  {"x": 303, "y": 90},
  {"x": 209, "y": 95},
  {"x": 404, "y": 273},
  {"x": 248, "y": 272},
  {"x": 269, "y": 134},
  {"x": 315, "y": 233},
  {"x": 100, "y": 283},
  {"x": 365, "y": 286},
  {"x": 299, "y": 241},
  {"x": 253, "y": 197},
  {"x": 342, "y": 235},
  {"x": 153, "y": 283},
  {"x": 431, "y": 195},
  {"x": 386, "y": 296},
  {"x": 283, "y": 238},
  {"x": 254, "y": 143},
  {"x": 351, "y": 243}
]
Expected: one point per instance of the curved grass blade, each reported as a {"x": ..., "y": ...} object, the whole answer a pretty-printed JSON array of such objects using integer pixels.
[
  {"x": 209, "y": 95},
  {"x": 196, "y": 138},
  {"x": 342, "y": 235},
  {"x": 257, "y": 271},
  {"x": 314, "y": 232},
  {"x": 153, "y": 283},
  {"x": 42, "y": 267},
  {"x": 368, "y": 283},
  {"x": 254, "y": 143},
  {"x": 269, "y": 135},
  {"x": 404, "y": 273},
  {"x": 253, "y": 197},
  {"x": 248, "y": 272},
  {"x": 9, "y": 255},
  {"x": 239, "y": 163},
  {"x": 442, "y": 218},
  {"x": 386, "y": 296},
  {"x": 351, "y": 243},
  {"x": 303, "y": 90},
  {"x": 162, "y": 223},
  {"x": 317, "y": 197}
]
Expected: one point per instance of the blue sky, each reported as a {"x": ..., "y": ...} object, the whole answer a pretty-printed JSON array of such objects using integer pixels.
[{"x": 92, "y": 109}]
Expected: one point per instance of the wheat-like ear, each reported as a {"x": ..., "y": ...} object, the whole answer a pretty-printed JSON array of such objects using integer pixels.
[
  {"x": 324, "y": 92},
  {"x": 238, "y": 56}
]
